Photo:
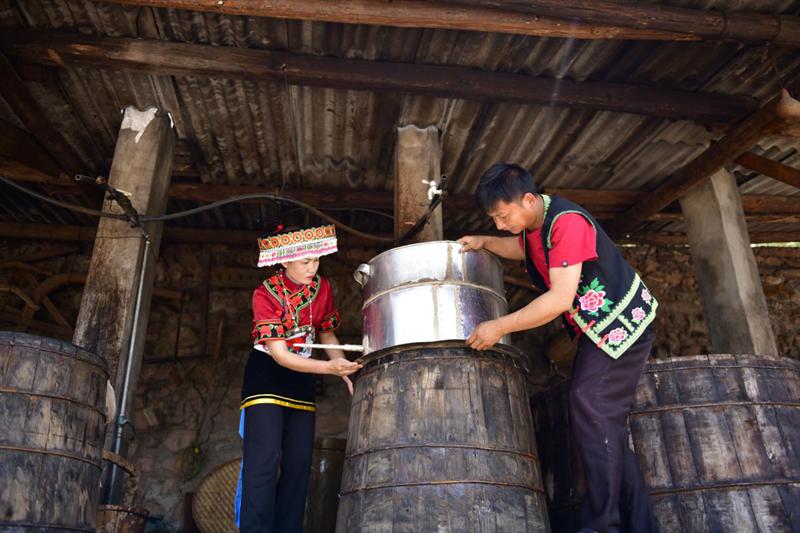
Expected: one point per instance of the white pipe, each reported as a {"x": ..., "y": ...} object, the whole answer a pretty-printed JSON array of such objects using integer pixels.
[{"x": 343, "y": 347}]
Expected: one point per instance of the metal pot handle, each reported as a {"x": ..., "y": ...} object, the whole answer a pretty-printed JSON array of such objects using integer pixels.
[{"x": 362, "y": 274}]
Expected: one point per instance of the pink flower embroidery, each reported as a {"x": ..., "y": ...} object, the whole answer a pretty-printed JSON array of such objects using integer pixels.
[
  {"x": 592, "y": 300},
  {"x": 646, "y": 296},
  {"x": 617, "y": 335},
  {"x": 638, "y": 314}
]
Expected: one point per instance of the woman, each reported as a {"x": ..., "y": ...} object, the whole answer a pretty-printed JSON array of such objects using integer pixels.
[{"x": 277, "y": 420}]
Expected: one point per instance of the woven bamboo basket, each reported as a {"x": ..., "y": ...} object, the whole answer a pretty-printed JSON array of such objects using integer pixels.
[{"x": 212, "y": 504}]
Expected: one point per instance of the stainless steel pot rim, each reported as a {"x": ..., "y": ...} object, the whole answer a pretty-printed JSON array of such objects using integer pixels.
[
  {"x": 456, "y": 243},
  {"x": 443, "y": 284}
]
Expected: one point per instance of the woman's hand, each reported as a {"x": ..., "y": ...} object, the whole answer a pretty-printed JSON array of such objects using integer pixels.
[
  {"x": 349, "y": 384},
  {"x": 485, "y": 335},
  {"x": 342, "y": 367}
]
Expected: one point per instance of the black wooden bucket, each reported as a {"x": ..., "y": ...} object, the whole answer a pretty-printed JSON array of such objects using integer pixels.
[{"x": 52, "y": 425}]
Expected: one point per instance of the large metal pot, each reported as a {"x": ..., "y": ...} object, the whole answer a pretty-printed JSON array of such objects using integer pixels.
[{"x": 428, "y": 292}]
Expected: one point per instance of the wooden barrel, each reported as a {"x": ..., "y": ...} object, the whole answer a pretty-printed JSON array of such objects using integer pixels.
[
  {"x": 561, "y": 465},
  {"x": 719, "y": 442},
  {"x": 718, "y": 438},
  {"x": 323, "y": 488},
  {"x": 121, "y": 519},
  {"x": 441, "y": 439},
  {"x": 52, "y": 424}
]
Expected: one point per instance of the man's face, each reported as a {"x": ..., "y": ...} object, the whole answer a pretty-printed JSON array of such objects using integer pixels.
[{"x": 514, "y": 216}]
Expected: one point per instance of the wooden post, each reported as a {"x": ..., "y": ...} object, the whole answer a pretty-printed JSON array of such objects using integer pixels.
[
  {"x": 730, "y": 287},
  {"x": 141, "y": 167},
  {"x": 417, "y": 159}
]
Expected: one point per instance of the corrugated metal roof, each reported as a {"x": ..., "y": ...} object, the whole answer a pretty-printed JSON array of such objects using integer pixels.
[{"x": 275, "y": 134}]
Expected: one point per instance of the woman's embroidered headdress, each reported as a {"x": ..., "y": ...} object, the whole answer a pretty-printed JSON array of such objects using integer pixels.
[{"x": 296, "y": 245}]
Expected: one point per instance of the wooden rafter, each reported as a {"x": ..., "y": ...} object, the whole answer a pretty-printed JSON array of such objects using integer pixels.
[
  {"x": 184, "y": 59},
  {"x": 703, "y": 24},
  {"x": 320, "y": 198},
  {"x": 781, "y": 110},
  {"x": 606, "y": 203},
  {"x": 680, "y": 239},
  {"x": 238, "y": 238},
  {"x": 581, "y": 20},
  {"x": 768, "y": 167},
  {"x": 603, "y": 204},
  {"x": 417, "y": 14},
  {"x": 68, "y": 233}
]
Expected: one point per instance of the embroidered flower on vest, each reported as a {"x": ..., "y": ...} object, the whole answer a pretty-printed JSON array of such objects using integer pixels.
[
  {"x": 616, "y": 336},
  {"x": 638, "y": 314},
  {"x": 593, "y": 298},
  {"x": 646, "y": 296}
]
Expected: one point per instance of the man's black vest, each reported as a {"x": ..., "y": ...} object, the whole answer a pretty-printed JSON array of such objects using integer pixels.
[{"x": 612, "y": 307}]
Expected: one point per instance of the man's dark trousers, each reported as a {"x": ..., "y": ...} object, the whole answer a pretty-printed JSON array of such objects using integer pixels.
[{"x": 600, "y": 399}]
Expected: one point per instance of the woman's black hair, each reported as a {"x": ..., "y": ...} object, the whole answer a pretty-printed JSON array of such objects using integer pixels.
[{"x": 503, "y": 182}]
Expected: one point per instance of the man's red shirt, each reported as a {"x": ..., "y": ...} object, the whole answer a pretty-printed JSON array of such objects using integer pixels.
[{"x": 572, "y": 240}]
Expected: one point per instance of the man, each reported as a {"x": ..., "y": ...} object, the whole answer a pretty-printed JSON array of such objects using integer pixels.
[{"x": 603, "y": 301}]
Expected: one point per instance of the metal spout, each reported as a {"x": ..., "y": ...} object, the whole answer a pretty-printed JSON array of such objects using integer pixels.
[{"x": 362, "y": 274}]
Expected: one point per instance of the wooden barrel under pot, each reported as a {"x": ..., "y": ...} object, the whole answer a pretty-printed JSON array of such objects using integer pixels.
[
  {"x": 718, "y": 439},
  {"x": 52, "y": 424},
  {"x": 322, "y": 502},
  {"x": 441, "y": 439}
]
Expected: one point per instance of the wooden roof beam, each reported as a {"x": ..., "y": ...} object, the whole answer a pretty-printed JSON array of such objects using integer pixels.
[
  {"x": 184, "y": 59},
  {"x": 604, "y": 204},
  {"x": 702, "y": 24},
  {"x": 236, "y": 238},
  {"x": 778, "y": 112},
  {"x": 768, "y": 167},
  {"x": 419, "y": 14},
  {"x": 680, "y": 239},
  {"x": 607, "y": 203},
  {"x": 71, "y": 233},
  {"x": 319, "y": 198},
  {"x": 574, "y": 18}
]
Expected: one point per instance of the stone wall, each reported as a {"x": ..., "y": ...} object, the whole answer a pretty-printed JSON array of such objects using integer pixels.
[
  {"x": 680, "y": 324},
  {"x": 197, "y": 343}
]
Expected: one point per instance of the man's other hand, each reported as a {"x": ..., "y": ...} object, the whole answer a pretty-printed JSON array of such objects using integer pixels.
[{"x": 471, "y": 242}]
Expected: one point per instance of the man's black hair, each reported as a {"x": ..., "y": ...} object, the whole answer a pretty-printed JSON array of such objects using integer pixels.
[{"x": 503, "y": 181}]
